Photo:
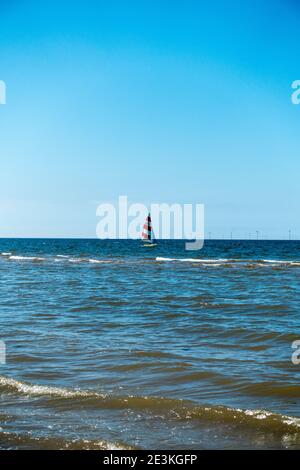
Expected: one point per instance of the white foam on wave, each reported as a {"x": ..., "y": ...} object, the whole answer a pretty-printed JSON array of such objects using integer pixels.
[
  {"x": 42, "y": 390},
  {"x": 57, "y": 258},
  {"x": 221, "y": 261},
  {"x": 195, "y": 260},
  {"x": 88, "y": 260},
  {"x": 218, "y": 262},
  {"x": 100, "y": 261},
  {"x": 277, "y": 261},
  {"x": 81, "y": 260},
  {"x": 263, "y": 414},
  {"x": 26, "y": 258}
]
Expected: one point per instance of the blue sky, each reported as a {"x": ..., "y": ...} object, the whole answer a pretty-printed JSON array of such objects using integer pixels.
[{"x": 161, "y": 101}]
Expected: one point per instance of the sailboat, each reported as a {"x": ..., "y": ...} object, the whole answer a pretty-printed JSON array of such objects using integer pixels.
[{"x": 148, "y": 234}]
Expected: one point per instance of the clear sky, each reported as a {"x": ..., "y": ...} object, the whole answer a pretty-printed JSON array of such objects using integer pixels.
[{"x": 182, "y": 101}]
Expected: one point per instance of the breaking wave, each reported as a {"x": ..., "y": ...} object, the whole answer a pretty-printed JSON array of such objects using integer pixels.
[
  {"x": 9, "y": 440},
  {"x": 230, "y": 262},
  {"x": 70, "y": 259},
  {"x": 218, "y": 262},
  {"x": 175, "y": 409},
  {"x": 11, "y": 385}
]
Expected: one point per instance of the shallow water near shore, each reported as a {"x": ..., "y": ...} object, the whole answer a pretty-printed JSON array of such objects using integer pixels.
[{"x": 114, "y": 346}]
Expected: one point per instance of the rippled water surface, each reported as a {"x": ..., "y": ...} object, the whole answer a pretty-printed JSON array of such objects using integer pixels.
[{"x": 112, "y": 345}]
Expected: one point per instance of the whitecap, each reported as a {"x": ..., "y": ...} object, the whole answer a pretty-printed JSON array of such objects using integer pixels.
[
  {"x": 195, "y": 260},
  {"x": 44, "y": 390},
  {"x": 99, "y": 261},
  {"x": 26, "y": 258}
]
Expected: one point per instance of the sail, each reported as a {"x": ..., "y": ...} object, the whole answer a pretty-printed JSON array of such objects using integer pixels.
[{"x": 147, "y": 234}]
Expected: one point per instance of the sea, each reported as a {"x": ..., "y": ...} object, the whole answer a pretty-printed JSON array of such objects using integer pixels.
[{"x": 107, "y": 344}]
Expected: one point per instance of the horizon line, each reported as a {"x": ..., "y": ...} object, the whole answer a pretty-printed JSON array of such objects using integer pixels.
[{"x": 158, "y": 239}]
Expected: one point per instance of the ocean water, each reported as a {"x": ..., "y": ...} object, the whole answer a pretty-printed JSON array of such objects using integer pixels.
[{"x": 114, "y": 346}]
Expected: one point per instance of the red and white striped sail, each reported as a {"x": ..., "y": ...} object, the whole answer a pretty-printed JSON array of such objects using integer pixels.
[{"x": 147, "y": 234}]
